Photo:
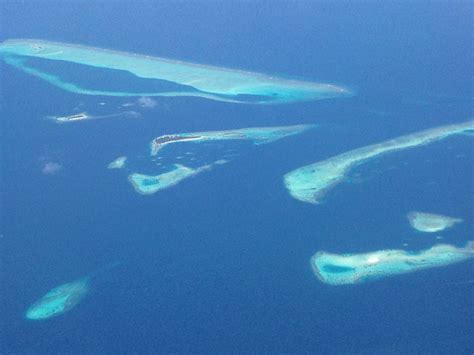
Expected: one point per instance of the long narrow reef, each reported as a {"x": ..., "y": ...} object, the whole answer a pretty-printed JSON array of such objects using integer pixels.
[
  {"x": 312, "y": 182},
  {"x": 210, "y": 82}
]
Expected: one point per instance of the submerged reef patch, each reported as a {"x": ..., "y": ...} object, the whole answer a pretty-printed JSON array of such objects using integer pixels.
[
  {"x": 431, "y": 223},
  {"x": 59, "y": 300},
  {"x": 118, "y": 163},
  {"x": 64, "y": 297}
]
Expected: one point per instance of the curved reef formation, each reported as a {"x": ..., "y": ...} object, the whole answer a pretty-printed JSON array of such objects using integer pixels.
[
  {"x": 210, "y": 82},
  {"x": 310, "y": 183},
  {"x": 335, "y": 269},
  {"x": 258, "y": 135},
  {"x": 118, "y": 163},
  {"x": 149, "y": 184},
  {"x": 431, "y": 223}
]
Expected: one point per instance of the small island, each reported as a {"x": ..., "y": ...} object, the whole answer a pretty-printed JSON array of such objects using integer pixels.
[
  {"x": 342, "y": 269},
  {"x": 431, "y": 223}
]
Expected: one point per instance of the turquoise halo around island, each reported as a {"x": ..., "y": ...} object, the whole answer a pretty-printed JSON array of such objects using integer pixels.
[{"x": 193, "y": 79}]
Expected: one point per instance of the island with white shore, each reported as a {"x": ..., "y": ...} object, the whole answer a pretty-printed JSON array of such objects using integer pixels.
[
  {"x": 342, "y": 269},
  {"x": 311, "y": 183},
  {"x": 257, "y": 135},
  {"x": 71, "y": 118},
  {"x": 430, "y": 222}
]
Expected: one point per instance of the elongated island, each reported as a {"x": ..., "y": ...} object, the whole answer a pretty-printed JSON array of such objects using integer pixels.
[
  {"x": 312, "y": 182},
  {"x": 189, "y": 79},
  {"x": 257, "y": 135},
  {"x": 342, "y": 269}
]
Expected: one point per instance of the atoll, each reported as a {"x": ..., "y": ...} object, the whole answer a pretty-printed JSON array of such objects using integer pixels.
[
  {"x": 192, "y": 79},
  {"x": 341, "y": 269}
]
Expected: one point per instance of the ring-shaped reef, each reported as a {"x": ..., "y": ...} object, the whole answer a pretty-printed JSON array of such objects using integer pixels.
[{"x": 205, "y": 81}]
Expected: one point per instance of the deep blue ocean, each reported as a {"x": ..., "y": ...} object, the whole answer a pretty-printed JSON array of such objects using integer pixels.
[{"x": 220, "y": 262}]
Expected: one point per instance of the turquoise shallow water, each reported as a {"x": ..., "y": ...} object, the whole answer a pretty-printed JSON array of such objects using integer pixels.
[{"x": 203, "y": 258}]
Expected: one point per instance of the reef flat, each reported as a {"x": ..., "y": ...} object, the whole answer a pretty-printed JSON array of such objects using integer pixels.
[
  {"x": 118, "y": 163},
  {"x": 149, "y": 184},
  {"x": 59, "y": 300},
  {"x": 335, "y": 269},
  {"x": 310, "y": 183},
  {"x": 258, "y": 135},
  {"x": 198, "y": 80},
  {"x": 431, "y": 223}
]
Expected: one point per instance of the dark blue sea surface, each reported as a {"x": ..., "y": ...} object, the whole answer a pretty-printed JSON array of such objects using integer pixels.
[{"x": 220, "y": 262}]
